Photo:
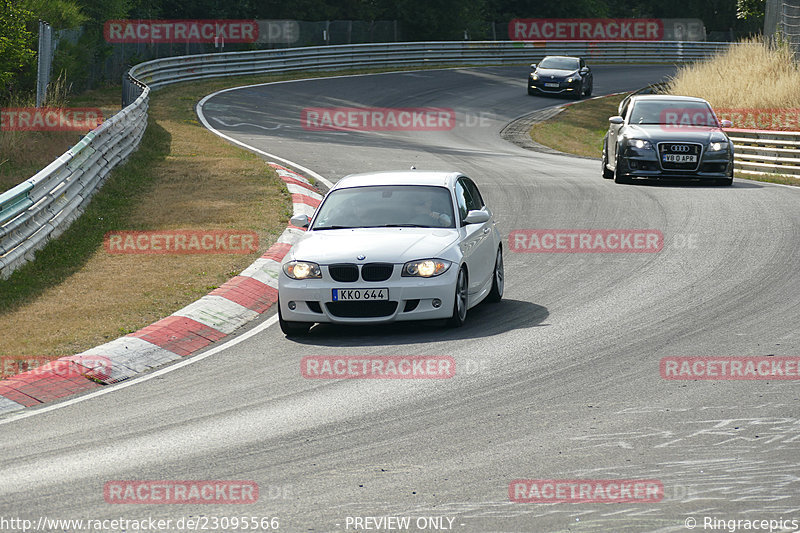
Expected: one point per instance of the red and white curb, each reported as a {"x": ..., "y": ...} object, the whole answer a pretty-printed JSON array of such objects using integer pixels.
[{"x": 207, "y": 320}]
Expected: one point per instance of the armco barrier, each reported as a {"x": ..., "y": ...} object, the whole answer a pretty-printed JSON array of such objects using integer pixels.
[
  {"x": 759, "y": 153},
  {"x": 43, "y": 207}
]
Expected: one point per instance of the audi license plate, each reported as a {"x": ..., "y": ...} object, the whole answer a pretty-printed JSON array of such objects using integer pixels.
[
  {"x": 679, "y": 158},
  {"x": 359, "y": 295},
  {"x": 551, "y": 85}
]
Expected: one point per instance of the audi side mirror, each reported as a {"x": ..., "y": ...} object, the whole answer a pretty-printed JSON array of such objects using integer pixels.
[
  {"x": 616, "y": 120},
  {"x": 533, "y": 66},
  {"x": 584, "y": 71},
  {"x": 726, "y": 123}
]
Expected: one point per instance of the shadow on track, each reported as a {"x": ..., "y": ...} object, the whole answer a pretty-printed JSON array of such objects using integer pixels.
[
  {"x": 484, "y": 320},
  {"x": 687, "y": 184}
]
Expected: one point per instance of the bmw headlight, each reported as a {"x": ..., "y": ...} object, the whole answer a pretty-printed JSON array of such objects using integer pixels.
[
  {"x": 640, "y": 144},
  {"x": 718, "y": 146},
  {"x": 302, "y": 270},
  {"x": 425, "y": 268}
]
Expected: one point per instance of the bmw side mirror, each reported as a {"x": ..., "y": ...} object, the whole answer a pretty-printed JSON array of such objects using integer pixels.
[
  {"x": 477, "y": 217},
  {"x": 616, "y": 119},
  {"x": 301, "y": 221},
  {"x": 726, "y": 123}
]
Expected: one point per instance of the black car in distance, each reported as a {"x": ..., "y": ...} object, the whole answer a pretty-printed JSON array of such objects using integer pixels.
[{"x": 564, "y": 75}]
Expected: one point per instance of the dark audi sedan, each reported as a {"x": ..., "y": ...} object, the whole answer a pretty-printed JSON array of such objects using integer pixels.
[
  {"x": 562, "y": 75},
  {"x": 667, "y": 137}
]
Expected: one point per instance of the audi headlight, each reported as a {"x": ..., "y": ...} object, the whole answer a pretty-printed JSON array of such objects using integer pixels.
[
  {"x": 302, "y": 270},
  {"x": 640, "y": 144},
  {"x": 718, "y": 146},
  {"x": 425, "y": 268}
]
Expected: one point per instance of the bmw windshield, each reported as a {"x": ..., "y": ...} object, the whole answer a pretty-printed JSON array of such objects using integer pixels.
[{"x": 386, "y": 206}]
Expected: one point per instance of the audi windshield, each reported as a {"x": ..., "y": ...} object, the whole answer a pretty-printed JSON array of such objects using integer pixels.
[{"x": 673, "y": 112}]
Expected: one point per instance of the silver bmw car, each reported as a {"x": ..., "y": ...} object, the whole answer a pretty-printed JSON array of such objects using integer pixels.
[
  {"x": 667, "y": 137},
  {"x": 391, "y": 246}
]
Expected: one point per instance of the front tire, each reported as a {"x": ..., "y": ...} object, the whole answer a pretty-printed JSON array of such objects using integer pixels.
[
  {"x": 498, "y": 278},
  {"x": 618, "y": 177},
  {"x": 607, "y": 174},
  {"x": 292, "y": 329},
  {"x": 460, "y": 303}
]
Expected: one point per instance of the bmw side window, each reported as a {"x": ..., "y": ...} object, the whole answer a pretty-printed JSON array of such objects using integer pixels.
[
  {"x": 475, "y": 196},
  {"x": 461, "y": 199}
]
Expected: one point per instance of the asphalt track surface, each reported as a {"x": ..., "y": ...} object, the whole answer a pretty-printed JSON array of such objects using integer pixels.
[{"x": 558, "y": 381}]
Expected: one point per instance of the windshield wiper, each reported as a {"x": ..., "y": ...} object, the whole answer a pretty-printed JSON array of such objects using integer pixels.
[
  {"x": 399, "y": 226},
  {"x": 336, "y": 227}
]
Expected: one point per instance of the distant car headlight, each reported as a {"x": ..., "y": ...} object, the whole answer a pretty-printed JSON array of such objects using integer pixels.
[
  {"x": 302, "y": 270},
  {"x": 718, "y": 146},
  {"x": 640, "y": 144},
  {"x": 425, "y": 268}
]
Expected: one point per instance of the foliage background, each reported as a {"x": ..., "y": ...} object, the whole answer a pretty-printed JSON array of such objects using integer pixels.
[{"x": 416, "y": 19}]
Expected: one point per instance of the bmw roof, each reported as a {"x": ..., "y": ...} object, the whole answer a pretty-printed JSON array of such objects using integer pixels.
[{"x": 399, "y": 177}]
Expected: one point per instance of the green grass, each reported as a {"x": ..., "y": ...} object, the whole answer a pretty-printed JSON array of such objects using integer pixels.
[{"x": 580, "y": 128}]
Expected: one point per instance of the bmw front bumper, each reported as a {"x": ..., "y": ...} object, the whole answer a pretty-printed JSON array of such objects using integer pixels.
[{"x": 410, "y": 298}]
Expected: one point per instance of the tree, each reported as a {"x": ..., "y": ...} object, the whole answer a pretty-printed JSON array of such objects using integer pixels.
[
  {"x": 16, "y": 51},
  {"x": 751, "y": 9}
]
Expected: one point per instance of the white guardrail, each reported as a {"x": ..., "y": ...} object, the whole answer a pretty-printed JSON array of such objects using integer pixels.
[
  {"x": 42, "y": 207},
  {"x": 760, "y": 153}
]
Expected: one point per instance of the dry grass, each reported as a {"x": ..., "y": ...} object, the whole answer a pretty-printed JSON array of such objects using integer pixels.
[
  {"x": 24, "y": 153},
  {"x": 750, "y": 74},
  {"x": 193, "y": 181}
]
